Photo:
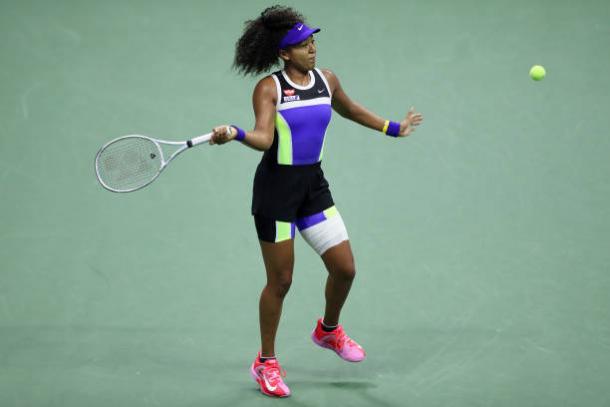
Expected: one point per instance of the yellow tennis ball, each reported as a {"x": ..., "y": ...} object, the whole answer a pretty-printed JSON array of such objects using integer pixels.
[{"x": 537, "y": 72}]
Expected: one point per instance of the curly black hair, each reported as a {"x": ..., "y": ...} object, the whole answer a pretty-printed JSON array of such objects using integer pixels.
[{"x": 257, "y": 50}]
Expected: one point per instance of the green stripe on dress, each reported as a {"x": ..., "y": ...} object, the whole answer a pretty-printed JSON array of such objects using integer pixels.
[
  {"x": 322, "y": 149},
  {"x": 284, "y": 148}
]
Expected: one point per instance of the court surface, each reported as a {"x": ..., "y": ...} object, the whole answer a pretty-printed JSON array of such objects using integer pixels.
[{"x": 481, "y": 242}]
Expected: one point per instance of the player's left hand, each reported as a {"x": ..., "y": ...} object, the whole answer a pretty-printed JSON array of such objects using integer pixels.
[{"x": 407, "y": 126}]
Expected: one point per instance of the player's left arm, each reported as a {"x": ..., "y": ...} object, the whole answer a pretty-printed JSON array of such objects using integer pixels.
[{"x": 354, "y": 111}]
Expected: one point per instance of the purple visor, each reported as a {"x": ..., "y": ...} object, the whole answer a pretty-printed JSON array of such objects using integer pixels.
[{"x": 300, "y": 32}]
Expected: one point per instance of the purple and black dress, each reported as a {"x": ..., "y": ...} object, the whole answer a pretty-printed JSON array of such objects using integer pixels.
[{"x": 289, "y": 185}]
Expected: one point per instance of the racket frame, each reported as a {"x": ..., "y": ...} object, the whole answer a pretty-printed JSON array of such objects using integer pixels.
[{"x": 184, "y": 145}]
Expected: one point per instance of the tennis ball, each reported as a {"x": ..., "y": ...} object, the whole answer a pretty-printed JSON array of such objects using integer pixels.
[{"x": 537, "y": 72}]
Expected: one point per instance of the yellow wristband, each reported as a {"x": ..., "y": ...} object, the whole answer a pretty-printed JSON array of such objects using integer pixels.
[{"x": 385, "y": 126}]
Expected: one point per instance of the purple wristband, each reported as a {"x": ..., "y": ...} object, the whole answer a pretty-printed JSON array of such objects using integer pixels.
[
  {"x": 393, "y": 129},
  {"x": 240, "y": 133}
]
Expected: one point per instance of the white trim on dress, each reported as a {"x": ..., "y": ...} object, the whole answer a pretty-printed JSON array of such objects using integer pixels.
[{"x": 312, "y": 81}]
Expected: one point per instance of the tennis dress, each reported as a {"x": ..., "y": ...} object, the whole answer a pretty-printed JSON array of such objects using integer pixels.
[{"x": 289, "y": 183}]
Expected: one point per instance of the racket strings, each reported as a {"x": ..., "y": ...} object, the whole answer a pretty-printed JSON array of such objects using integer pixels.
[{"x": 129, "y": 163}]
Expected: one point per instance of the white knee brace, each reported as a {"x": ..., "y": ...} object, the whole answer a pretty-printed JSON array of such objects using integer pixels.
[{"x": 323, "y": 230}]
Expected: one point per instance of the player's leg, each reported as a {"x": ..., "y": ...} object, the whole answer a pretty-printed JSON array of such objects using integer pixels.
[
  {"x": 339, "y": 262},
  {"x": 277, "y": 247},
  {"x": 325, "y": 232},
  {"x": 279, "y": 262},
  {"x": 322, "y": 227}
]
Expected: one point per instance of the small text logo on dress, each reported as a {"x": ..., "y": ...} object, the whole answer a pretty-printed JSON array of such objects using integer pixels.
[{"x": 291, "y": 98}]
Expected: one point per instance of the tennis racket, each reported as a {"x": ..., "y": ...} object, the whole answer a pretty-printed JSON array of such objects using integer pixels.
[{"x": 130, "y": 163}]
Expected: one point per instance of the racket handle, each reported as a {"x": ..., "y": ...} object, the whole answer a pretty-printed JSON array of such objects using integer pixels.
[{"x": 199, "y": 140}]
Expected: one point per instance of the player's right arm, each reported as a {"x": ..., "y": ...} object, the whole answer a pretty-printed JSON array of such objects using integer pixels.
[{"x": 264, "y": 100}]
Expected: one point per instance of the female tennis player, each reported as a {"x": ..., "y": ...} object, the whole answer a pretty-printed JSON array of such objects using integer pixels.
[{"x": 293, "y": 108}]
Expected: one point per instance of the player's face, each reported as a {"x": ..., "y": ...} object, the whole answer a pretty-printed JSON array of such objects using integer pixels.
[{"x": 303, "y": 54}]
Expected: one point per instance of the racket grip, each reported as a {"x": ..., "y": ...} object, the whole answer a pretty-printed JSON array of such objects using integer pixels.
[{"x": 199, "y": 140}]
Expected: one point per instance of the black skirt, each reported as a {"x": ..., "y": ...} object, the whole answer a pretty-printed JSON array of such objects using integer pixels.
[{"x": 287, "y": 192}]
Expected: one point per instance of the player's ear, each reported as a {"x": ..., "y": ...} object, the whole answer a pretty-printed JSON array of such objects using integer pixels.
[{"x": 285, "y": 55}]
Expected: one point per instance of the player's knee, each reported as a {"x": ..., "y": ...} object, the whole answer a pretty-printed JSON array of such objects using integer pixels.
[
  {"x": 281, "y": 285},
  {"x": 345, "y": 271}
]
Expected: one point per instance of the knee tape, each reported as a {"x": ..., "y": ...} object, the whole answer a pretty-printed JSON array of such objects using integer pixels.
[{"x": 323, "y": 230}]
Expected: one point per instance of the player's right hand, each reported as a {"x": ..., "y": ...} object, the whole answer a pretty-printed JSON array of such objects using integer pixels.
[{"x": 222, "y": 134}]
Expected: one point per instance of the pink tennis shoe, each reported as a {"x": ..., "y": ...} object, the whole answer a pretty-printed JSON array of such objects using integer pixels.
[
  {"x": 339, "y": 342},
  {"x": 269, "y": 377}
]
